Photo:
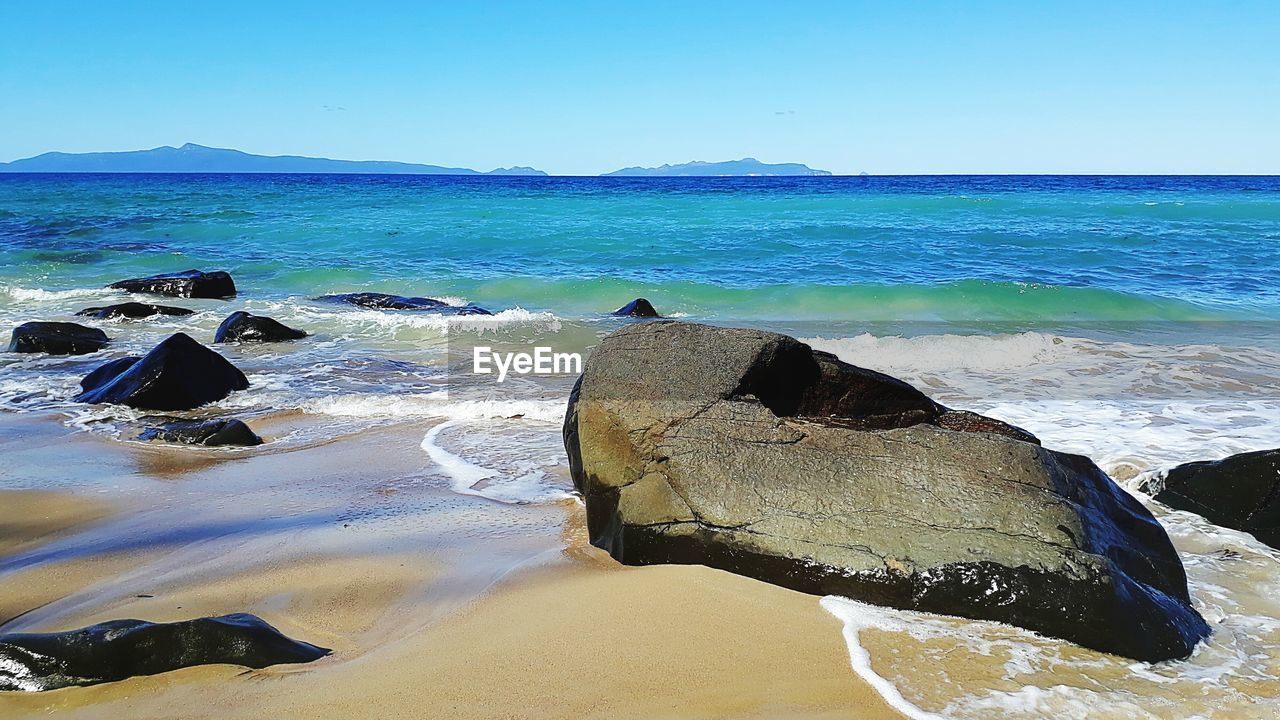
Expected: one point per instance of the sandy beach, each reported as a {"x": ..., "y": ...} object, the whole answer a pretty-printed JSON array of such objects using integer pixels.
[{"x": 435, "y": 604}]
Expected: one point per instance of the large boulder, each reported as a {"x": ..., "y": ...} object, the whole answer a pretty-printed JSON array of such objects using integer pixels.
[
  {"x": 639, "y": 308},
  {"x": 133, "y": 311},
  {"x": 749, "y": 451},
  {"x": 187, "y": 284},
  {"x": 56, "y": 338},
  {"x": 177, "y": 374},
  {"x": 244, "y": 327},
  {"x": 211, "y": 433},
  {"x": 1237, "y": 492},
  {"x": 383, "y": 301},
  {"x": 120, "y": 649}
]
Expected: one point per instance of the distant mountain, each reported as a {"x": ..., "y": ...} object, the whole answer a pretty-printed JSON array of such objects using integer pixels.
[
  {"x": 743, "y": 167},
  {"x": 192, "y": 158}
]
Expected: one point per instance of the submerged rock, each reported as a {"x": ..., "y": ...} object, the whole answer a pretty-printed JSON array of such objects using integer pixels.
[
  {"x": 177, "y": 374},
  {"x": 56, "y": 338},
  {"x": 212, "y": 433},
  {"x": 383, "y": 301},
  {"x": 637, "y": 308},
  {"x": 133, "y": 311},
  {"x": 244, "y": 327},
  {"x": 120, "y": 649},
  {"x": 1240, "y": 492},
  {"x": 188, "y": 284},
  {"x": 750, "y": 452}
]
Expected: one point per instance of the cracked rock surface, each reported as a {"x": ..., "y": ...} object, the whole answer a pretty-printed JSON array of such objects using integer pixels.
[{"x": 748, "y": 451}]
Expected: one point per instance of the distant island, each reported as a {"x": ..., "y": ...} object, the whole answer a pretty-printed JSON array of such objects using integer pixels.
[
  {"x": 697, "y": 168},
  {"x": 192, "y": 158}
]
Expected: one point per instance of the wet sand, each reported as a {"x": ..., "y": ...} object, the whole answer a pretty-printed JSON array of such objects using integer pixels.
[
  {"x": 435, "y": 604},
  {"x": 29, "y": 517}
]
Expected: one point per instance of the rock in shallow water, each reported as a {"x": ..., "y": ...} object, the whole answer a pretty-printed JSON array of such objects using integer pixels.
[
  {"x": 124, "y": 648},
  {"x": 211, "y": 433},
  {"x": 133, "y": 311},
  {"x": 56, "y": 338},
  {"x": 177, "y": 374},
  {"x": 637, "y": 308},
  {"x": 750, "y": 452},
  {"x": 188, "y": 284},
  {"x": 383, "y": 301},
  {"x": 1240, "y": 492},
  {"x": 244, "y": 327}
]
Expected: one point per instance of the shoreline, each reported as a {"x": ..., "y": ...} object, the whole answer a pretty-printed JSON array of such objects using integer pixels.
[{"x": 434, "y": 603}]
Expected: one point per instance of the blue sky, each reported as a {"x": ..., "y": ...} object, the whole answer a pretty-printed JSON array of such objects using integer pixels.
[{"x": 587, "y": 87}]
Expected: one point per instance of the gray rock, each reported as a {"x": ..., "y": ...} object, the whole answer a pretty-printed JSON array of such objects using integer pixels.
[{"x": 750, "y": 452}]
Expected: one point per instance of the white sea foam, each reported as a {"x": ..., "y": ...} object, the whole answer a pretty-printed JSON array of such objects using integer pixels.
[
  {"x": 38, "y": 295},
  {"x": 365, "y": 320},
  {"x": 948, "y": 353},
  {"x": 1131, "y": 407},
  {"x": 435, "y": 404},
  {"x": 465, "y": 474},
  {"x": 522, "y": 476}
]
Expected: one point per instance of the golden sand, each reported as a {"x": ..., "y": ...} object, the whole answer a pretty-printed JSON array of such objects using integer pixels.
[{"x": 528, "y": 622}]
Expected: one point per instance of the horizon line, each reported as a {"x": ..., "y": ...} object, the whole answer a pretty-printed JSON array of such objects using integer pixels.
[{"x": 547, "y": 175}]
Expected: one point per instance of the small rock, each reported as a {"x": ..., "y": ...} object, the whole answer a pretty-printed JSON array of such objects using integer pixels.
[
  {"x": 133, "y": 311},
  {"x": 119, "y": 649},
  {"x": 383, "y": 301},
  {"x": 211, "y": 433},
  {"x": 244, "y": 327},
  {"x": 188, "y": 284},
  {"x": 639, "y": 308},
  {"x": 57, "y": 338}
]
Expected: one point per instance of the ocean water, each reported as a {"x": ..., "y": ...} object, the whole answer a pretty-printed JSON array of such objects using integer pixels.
[{"x": 1130, "y": 319}]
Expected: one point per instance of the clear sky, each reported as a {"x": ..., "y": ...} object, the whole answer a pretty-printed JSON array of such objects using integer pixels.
[{"x": 587, "y": 87}]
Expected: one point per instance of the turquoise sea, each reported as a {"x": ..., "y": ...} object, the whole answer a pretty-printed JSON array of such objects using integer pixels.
[
  {"x": 920, "y": 248},
  {"x": 1131, "y": 319}
]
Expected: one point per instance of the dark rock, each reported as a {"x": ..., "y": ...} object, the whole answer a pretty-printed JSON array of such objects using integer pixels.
[
  {"x": 639, "y": 307},
  {"x": 1240, "y": 492},
  {"x": 178, "y": 374},
  {"x": 133, "y": 311},
  {"x": 107, "y": 371},
  {"x": 188, "y": 284},
  {"x": 57, "y": 338},
  {"x": 120, "y": 649},
  {"x": 243, "y": 327},
  {"x": 750, "y": 452},
  {"x": 382, "y": 301},
  {"x": 212, "y": 433}
]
